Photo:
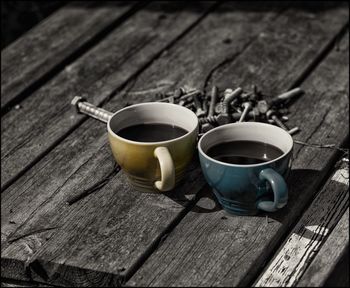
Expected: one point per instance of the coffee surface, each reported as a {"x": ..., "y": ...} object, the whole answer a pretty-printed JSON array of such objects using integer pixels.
[
  {"x": 244, "y": 152},
  {"x": 152, "y": 132}
]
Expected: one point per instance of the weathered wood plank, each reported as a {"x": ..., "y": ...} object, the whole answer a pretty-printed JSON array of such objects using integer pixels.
[
  {"x": 49, "y": 44},
  {"x": 46, "y": 117},
  {"x": 50, "y": 211},
  {"x": 316, "y": 275},
  {"x": 14, "y": 283},
  {"x": 48, "y": 187},
  {"x": 215, "y": 249},
  {"x": 311, "y": 231}
]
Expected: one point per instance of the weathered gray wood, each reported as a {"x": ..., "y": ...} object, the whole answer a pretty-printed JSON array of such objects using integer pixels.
[
  {"x": 48, "y": 186},
  {"x": 216, "y": 249},
  {"x": 13, "y": 283},
  {"x": 311, "y": 231},
  {"x": 46, "y": 117},
  {"x": 78, "y": 250},
  {"x": 47, "y": 45},
  {"x": 327, "y": 258}
]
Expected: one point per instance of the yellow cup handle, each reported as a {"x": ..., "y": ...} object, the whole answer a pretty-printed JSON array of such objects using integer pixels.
[{"x": 167, "y": 169}]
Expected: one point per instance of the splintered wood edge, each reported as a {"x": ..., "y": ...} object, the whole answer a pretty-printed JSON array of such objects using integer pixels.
[{"x": 305, "y": 240}]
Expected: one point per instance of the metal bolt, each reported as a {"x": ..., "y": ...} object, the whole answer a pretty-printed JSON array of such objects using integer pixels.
[
  {"x": 262, "y": 106},
  {"x": 199, "y": 111},
  {"x": 185, "y": 97},
  {"x": 179, "y": 92},
  {"x": 229, "y": 96},
  {"x": 279, "y": 122},
  {"x": 89, "y": 109},
  {"x": 220, "y": 119},
  {"x": 272, "y": 118},
  {"x": 287, "y": 96},
  {"x": 293, "y": 130},
  {"x": 253, "y": 114},
  {"x": 205, "y": 107},
  {"x": 182, "y": 102},
  {"x": 206, "y": 127},
  {"x": 247, "y": 106},
  {"x": 218, "y": 108},
  {"x": 213, "y": 99},
  {"x": 190, "y": 106}
]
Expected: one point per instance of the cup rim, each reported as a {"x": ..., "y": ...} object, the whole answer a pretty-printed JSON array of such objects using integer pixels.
[
  {"x": 111, "y": 132},
  {"x": 243, "y": 124}
]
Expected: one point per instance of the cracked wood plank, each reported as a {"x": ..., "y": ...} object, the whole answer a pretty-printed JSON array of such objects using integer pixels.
[
  {"x": 310, "y": 233},
  {"x": 217, "y": 249},
  {"x": 325, "y": 263},
  {"x": 52, "y": 180},
  {"x": 47, "y": 117},
  {"x": 49, "y": 44}
]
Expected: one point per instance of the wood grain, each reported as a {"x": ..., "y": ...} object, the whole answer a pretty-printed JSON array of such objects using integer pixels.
[
  {"x": 216, "y": 249},
  {"x": 93, "y": 244},
  {"x": 336, "y": 246},
  {"x": 47, "y": 45},
  {"x": 47, "y": 117},
  {"x": 311, "y": 231},
  {"x": 60, "y": 174}
]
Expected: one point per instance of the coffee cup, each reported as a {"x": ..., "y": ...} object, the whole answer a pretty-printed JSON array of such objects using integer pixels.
[
  {"x": 160, "y": 163},
  {"x": 247, "y": 164},
  {"x": 152, "y": 142}
]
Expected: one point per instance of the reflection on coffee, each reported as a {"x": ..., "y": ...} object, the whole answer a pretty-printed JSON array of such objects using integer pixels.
[
  {"x": 151, "y": 132},
  {"x": 244, "y": 152}
]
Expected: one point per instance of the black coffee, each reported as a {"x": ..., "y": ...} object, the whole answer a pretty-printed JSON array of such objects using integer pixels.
[
  {"x": 244, "y": 152},
  {"x": 151, "y": 132}
]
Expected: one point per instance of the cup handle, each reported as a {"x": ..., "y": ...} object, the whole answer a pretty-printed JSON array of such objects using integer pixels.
[
  {"x": 167, "y": 169},
  {"x": 279, "y": 188}
]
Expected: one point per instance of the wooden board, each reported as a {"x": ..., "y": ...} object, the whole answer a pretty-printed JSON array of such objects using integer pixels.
[
  {"x": 311, "y": 231},
  {"x": 48, "y": 187},
  {"x": 94, "y": 223},
  {"x": 47, "y": 117},
  {"x": 48, "y": 47},
  {"x": 215, "y": 249},
  {"x": 326, "y": 260},
  {"x": 14, "y": 283}
]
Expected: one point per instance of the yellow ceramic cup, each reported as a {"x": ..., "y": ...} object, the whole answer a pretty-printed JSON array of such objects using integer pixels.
[{"x": 153, "y": 166}]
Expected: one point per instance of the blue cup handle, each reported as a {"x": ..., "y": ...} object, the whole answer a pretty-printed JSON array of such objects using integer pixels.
[{"x": 279, "y": 188}]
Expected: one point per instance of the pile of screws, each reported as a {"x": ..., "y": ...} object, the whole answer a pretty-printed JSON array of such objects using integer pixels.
[{"x": 231, "y": 106}]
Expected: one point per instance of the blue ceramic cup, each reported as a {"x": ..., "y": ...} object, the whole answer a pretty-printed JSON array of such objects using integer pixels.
[{"x": 246, "y": 189}]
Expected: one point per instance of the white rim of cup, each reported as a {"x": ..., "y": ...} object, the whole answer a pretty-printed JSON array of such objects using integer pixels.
[
  {"x": 226, "y": 126},
  {"x": 152, "y": 143}
]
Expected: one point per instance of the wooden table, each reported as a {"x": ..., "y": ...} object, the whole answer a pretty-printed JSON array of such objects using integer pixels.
[{"x": 119, "y": 53}]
